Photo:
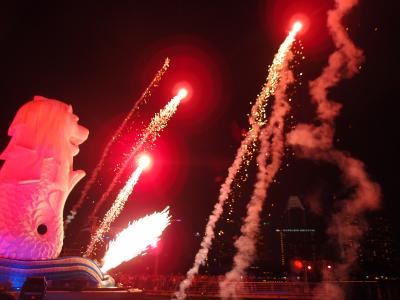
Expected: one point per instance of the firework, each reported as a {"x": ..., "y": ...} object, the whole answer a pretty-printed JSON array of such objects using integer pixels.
[
  {"x": 118, "y": 205},
  {"x": 117, "y": 134},
  {"x": 271, "y": 149},
  {"x": 136, "y": 239},
  {"x": 244, "y": 155},
  {"x": 146, "y": 141}
]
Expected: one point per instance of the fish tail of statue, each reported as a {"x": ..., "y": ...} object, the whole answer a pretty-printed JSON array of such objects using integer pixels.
[{"x": 37, "y": 177}]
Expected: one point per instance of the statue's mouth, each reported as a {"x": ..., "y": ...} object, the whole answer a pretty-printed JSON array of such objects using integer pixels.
[{"x": 77, "y": 139}]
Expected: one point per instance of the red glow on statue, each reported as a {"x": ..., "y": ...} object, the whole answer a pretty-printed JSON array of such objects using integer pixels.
[{"x": 37, "y": 177}]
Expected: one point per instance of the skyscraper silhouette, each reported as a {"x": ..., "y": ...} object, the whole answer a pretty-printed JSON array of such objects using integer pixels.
[{"x": 297, "y": 240}]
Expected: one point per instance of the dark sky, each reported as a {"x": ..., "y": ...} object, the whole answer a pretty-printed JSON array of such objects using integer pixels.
[{"x": 99, "y": 57}]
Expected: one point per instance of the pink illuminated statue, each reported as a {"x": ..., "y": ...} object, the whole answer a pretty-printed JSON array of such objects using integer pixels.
[{"x": 37, "y": 177}]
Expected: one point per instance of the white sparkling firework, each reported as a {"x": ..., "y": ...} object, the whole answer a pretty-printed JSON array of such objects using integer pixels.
[
  {"x": 117, "y": 134},
  {"x": 150, "y": 134},
  {"x": 118, "y": 205},
  {"x": 136, "y": 239},
  {"x": 269, "y": 161},
  {"x": 244, "y": 154},
  {"x": 146, "y": 141}
]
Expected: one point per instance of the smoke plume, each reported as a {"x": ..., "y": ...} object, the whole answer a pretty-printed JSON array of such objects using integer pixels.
[
  {"x": 271, "y": 149},
  {"x": 257, "y": 120},
  {"x": 347, "y": 225},
  {"x": 209, "y": 235}
]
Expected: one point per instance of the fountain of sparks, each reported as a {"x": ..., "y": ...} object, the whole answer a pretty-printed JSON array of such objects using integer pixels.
[{"x": 136, "y": 239}]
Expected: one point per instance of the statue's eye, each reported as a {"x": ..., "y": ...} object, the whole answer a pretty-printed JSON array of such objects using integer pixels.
[{"x": 42, "y": 229}]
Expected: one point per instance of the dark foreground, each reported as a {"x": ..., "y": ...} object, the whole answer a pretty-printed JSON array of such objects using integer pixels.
[{"x": 389, "y": 290}]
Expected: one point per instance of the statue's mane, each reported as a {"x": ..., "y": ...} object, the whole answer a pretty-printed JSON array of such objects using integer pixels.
[
  {"x": 37, "y": 177},
  {"x": 42, "y": 125}
]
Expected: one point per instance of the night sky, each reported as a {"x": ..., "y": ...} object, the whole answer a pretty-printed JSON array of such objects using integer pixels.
[{"x": 100, "y": 56}]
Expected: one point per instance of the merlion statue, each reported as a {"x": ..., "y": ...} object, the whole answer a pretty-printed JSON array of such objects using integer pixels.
[{"x": 36, "y": 178}]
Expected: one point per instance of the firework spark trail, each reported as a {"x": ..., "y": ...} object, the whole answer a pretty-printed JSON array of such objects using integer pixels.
[
  {"x": 246, "y": 243},
  {"x": 117, "y": 134},
  {"x": 317, "y": 142},
  {"x": 258, "y": 113},
  {"x": 148, "y": 137},
  {"x": 157, "y": 124},
  {"x": 115, "y": 210},
  {"x": 244, "y": 154},
  {"x": 225, "y": 190},
  {"x": 136, "y": 239}
]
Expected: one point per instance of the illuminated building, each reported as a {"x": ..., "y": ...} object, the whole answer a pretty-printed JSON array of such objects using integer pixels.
[{"x": 297, "y": 240}]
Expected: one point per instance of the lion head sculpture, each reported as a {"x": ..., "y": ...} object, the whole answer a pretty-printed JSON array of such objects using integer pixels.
[{"x": 37, "y": 177}]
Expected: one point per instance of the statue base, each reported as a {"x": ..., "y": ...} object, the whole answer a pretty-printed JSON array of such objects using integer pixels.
[{"x": 61, "y": 272}]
